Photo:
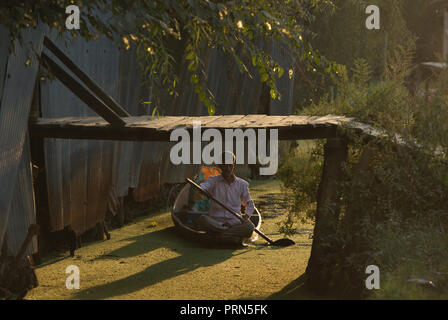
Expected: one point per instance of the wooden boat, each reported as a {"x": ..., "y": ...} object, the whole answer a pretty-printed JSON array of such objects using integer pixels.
[{"x": 184, "y": 221}]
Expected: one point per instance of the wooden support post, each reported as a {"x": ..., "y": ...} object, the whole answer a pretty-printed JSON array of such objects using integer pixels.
[
  {"x": 354, "y": 210},
  {"x": 327, "y": 215},
  {"x": 96, "y": 89},
  {"x": 85, "y": 95}
]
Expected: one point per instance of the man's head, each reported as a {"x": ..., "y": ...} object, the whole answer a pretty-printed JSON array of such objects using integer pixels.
[{"x": 228, "y": 165}]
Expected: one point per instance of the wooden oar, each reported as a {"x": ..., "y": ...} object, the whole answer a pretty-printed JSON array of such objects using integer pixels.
[{"x": 281, "y": 242}]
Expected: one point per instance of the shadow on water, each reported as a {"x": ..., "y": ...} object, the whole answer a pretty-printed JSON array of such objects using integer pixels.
[{"x": 191, "y": 256}]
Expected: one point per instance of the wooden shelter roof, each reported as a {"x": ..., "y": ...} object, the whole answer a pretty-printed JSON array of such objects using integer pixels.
[
  {"x": 114, "y": 123},
  {"x": 147, "y": 128}
]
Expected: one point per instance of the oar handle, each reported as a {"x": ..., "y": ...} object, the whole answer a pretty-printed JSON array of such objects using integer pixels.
[{"x": 198, "y": 187}]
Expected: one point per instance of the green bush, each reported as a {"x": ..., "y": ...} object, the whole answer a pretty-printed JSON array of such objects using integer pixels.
[
  {"x": 300, "y": 171},
  {"x": 385, "y": 103},
  {"x": 394, "y": 212}
]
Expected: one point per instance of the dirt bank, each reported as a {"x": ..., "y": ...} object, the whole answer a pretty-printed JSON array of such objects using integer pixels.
[{"x": 143, "y": 261}]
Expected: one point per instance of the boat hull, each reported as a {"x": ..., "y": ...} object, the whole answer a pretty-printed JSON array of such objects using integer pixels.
[{"x": 183, "y": 220}]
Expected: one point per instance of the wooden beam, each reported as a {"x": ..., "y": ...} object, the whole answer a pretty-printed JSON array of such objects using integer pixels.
[
  {"x": 85, "y": 95},
  {"x": 318, "y": 272},
  {"x": 96, "y": 89},
  {"x": 146, "y": 128},
  {"x": 100, "y": 133},
  {"x": 142, "y": 129}
]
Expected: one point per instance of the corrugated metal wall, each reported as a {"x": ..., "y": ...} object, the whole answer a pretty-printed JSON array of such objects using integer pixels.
[
  {"x": 18, "y": 73},
  {"x": 22, "y": 211},
  {"x": 79, "y": 172},
  {"x": 285, "y": 86},
  {"x": 128, "y": 155}
]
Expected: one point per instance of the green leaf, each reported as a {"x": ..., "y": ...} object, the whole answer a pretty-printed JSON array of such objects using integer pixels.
[
  {"x": 211, "y": 109},
  {"x": 280, "y": 72},
  {"x": 254, "y": 61},
  {"x": 192, "y": 66},
  {"x": 190, "y": 56},
  {"x": 264, "y": 77},
  {"x": 154, "y": 112},
  {"x": 194, "y": 79}
]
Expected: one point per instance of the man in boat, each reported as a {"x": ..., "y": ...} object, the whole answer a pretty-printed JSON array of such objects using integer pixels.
[{"x": 234, "y": 192}]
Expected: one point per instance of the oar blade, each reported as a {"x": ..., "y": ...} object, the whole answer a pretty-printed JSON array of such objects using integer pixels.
[{"x": 285, "y": 242}]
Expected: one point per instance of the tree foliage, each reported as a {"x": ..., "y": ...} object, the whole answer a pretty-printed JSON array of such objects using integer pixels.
[
  {"x": 237, "y": 27},
  {"x": 341, "y": 36}
]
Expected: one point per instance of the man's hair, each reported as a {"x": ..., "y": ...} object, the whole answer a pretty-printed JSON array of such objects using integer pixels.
[{"x": 229, "y": 156}]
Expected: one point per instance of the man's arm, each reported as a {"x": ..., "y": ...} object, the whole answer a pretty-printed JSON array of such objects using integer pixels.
[
  {"x": 208, "y": 185},
  {"x": 246, "y": 201}
]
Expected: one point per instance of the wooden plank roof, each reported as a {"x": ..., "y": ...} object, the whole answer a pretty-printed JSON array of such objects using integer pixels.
[{"x": 147, "y": 128}]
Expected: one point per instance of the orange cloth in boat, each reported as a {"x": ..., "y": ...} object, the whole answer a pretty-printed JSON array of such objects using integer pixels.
[
  {"x": 204, "y": 174},
  {"x": 208, "y": 172}
]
